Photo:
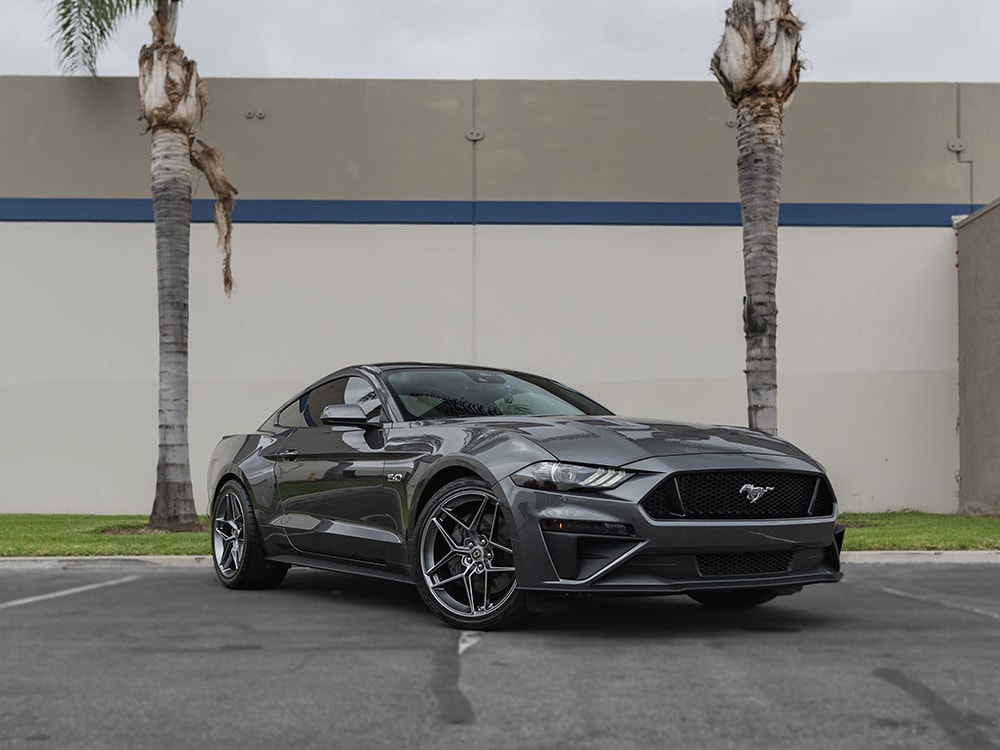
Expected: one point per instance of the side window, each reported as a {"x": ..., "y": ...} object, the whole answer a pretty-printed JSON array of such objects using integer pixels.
[
  {"x": 324, "y": 395},
  {"x": 352, "y": 390},
  {"x": 293, "y": 415}
]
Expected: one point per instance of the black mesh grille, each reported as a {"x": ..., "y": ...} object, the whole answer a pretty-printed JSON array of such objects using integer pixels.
[
  {"x": 738, "y": 494},
  {"x": 744, "y": 563},
  {"x": 662, "y": 502}
]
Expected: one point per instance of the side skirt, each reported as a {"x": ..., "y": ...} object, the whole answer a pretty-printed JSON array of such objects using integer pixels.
[{"x": 339, "y": 566}]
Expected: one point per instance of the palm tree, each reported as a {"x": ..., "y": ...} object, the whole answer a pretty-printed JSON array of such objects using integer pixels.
[
  {"x": 172, "y": 100},
  {"x": 758, "y": 65}
]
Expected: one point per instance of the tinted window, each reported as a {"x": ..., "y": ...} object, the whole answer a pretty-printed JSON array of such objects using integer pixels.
[
  {"x": 352, "y": 390},
  {"x": 293, "y": 414},
  {"x": 436, "y": 394}
]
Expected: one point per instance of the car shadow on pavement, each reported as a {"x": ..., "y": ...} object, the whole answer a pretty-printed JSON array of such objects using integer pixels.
[
  {"x": 642, "y": 617},
  {"x": 620, "y": 616},
  {"x": 356, "y": 590}
]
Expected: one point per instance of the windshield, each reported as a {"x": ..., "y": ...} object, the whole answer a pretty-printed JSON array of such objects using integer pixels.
[{"x": 429, "y": 393}]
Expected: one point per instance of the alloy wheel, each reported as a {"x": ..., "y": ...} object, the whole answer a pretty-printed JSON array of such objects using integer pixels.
[
  {"x": 466, "y": 558},
  {"x": 228, "y": 534}
]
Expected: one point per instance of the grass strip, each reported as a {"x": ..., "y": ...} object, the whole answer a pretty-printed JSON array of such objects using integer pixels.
[
  {"x": 43, "y": 535},
  {"x": 919, "y": 531}
]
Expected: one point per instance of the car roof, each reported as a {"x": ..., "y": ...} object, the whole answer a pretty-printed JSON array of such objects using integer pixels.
[
  {"x": 382, "y": 367},
  {"x": 431, "y": 365}
]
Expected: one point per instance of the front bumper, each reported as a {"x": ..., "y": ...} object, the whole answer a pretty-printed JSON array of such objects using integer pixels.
[{"x": 663, "y": 557}]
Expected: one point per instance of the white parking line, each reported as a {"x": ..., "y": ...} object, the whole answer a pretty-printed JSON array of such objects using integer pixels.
[
  {"x": 942, "y": 603},
  {"x": 67, "y": 592},
  {"x": 468, "y": 639}
]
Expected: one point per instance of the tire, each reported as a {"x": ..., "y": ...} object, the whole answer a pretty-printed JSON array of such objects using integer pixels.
[
  {"x": 738, "y": 599},
  {"x": 237, "y": 548},
  {"x": 463, "y": 560}
]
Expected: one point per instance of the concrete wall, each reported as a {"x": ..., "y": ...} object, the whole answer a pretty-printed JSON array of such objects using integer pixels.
[
  {"x": 845, "y": 143},
  {"x": 979, "y": 360},
  {"x": 868, "y": 388},
  {"x": 644, "y": 313}
]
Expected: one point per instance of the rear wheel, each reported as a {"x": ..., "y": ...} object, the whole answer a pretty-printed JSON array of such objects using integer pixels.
[
  {"x": 464, "y": 561},
  {"x": 237, "y": 548},
  {"x": 737, "y": 599}
]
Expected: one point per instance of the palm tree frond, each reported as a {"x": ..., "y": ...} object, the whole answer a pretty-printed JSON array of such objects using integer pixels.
[
  {"x": 209, "y": 161},
  {"x": 82, "y": 28}
]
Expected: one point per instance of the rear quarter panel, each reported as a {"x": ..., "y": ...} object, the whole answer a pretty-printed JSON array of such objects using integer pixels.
[{"x": 239, "y": 456}]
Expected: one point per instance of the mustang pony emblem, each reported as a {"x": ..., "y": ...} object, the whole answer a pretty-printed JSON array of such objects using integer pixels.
[{"x": 754, "y": 493}]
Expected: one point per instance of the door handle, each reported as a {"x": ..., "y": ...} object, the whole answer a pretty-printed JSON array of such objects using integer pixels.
[{"x": 287, "y": 455}]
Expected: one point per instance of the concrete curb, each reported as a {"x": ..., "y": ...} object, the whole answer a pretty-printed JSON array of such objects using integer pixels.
[
  {"x": 905, "y": 557},
  {"x": 71, "y": 563}
]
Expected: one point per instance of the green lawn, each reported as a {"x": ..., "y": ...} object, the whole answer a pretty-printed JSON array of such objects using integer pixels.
[
  {"x": 34, "y": 535},
  {"x": 928, "y": 531}
]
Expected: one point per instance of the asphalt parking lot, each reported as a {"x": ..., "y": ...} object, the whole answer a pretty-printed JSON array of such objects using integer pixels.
[{"x": 136, "y": 655}]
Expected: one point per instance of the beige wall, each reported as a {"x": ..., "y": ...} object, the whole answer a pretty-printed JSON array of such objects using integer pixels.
[
  {"x": 979, "y": 360},
  {"x": 78, "y": 385},
  {"x": 868, "y": 388},
  {"x": 867, "y": 341},
  {"x": 647, "y": 318},
  {"x": 544, "y": 140},
  {"x": 79, "y": 137}
]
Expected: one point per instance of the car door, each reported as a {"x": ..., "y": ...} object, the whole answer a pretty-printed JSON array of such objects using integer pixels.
[{"x": 332, "y": 498}]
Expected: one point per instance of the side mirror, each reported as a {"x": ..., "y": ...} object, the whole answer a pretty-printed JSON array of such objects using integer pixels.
[{"x": 345, "y": 414}]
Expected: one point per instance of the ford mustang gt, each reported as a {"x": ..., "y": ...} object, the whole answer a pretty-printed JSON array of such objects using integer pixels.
[{"x": 492, "y": 489}]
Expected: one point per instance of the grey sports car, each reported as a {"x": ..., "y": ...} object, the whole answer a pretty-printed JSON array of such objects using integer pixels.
[{"x": 493, "y": 490}]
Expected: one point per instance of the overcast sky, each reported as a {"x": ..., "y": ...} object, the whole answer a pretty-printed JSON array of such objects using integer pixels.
[{"x": 844, "y": 40}]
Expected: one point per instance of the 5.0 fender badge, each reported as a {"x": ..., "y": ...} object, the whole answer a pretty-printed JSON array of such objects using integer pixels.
[{"x": 754, "y": 493}]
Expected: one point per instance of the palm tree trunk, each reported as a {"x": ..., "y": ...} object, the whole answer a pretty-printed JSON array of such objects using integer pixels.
[
  {"x": 759, "y": 166},
  {"x": 757, "y": 63},
  {"x": 172, "y": 101},
  {"x": 173, "y": 504}
]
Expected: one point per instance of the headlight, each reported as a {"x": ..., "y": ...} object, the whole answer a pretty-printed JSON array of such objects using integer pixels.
[{"x": 551, "y": 475}]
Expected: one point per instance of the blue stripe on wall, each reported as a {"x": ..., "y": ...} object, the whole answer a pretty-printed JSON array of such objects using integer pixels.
[
  {"x": 247, "y": 211},
  {"x": 490, "y": 212}
]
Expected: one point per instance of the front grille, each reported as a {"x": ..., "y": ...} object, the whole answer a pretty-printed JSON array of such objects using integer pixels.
[
  {"x": 663, "y": 503},
  {"x": 733, "y": 495},
  {"x": 736, "y": 564}
]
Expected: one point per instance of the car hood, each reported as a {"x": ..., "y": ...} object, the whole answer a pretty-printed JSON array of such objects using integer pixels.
[{"x": 618, "y": 441}]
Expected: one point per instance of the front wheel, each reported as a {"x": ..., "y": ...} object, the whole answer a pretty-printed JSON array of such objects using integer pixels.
[
  {"x": 737, "y": 599},
  {"x": 237, "y": 549},
  {"x": 463, "y": 559}
]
